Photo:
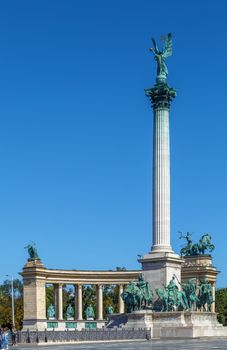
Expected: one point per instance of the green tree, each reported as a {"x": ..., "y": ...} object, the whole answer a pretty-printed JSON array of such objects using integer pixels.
[
  {"x": 6, "y": 303},
  {"x": 221, "y": 305}
]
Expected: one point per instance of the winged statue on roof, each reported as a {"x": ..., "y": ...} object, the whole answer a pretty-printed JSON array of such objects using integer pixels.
[{"x": 160, "y": 57}]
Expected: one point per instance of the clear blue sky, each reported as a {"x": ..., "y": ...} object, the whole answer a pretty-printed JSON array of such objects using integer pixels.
[{"x": 76, "y": 129}]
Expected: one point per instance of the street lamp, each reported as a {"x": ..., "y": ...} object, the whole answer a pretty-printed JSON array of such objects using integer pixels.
[{"x": 12, "y": 297}]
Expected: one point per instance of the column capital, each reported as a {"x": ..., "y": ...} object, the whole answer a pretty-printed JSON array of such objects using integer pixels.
[{"x": 161, "y": 95}]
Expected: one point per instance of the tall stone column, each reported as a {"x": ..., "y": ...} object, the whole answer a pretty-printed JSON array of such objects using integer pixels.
[
  {"x": 100, "y": 301},
  {"x": 75, "y": 302},
  {"x": 79, "y": 302},
  {"x": 56, "y": 299},
  {"x": 121, "y": 304},
  {"x": 160, "y": 265},
  {"x": 213, "y": 295},
  {"x": 60, "y": 302},
  {"x": 161, "y": 180}
]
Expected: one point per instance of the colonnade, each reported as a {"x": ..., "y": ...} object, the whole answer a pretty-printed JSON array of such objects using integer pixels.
[{"x": 78, "y": 294}]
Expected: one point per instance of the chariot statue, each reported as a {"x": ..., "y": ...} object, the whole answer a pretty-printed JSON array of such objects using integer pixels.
[{"x": 197, "y": 248}]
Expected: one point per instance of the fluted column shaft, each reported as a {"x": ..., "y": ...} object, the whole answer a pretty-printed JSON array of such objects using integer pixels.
[
  {"x": 60, "y": 303},
  {"x": 100, "y": 301},
  {"x": 213, "y": 295},
  {"x": 120, "y": 300},
  {"x": 75, "y": 302},
  {"x": 79, "y": 302},
  {"x": 161, "y": 180},
  {"x": 56, "y": 299}
]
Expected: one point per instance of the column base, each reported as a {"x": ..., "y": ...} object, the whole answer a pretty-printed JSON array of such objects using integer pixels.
[
  {"x": 161, "y": 248},
  {"x": 159, "y": 268},
  {"x": 34, "y": 324}
]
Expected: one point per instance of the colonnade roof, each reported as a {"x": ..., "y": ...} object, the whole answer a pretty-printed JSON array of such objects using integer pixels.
[{"x": 36, "y": 270}]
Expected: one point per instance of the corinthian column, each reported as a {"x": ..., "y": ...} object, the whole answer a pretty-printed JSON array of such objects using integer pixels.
[
  {"x": 160, "y": 96},
  {"x": 161, "y": 181},
  {"x": 161, "y": 264}
]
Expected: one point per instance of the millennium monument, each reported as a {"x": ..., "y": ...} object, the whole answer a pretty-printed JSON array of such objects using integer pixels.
[
  {"x": 161, "y": 263},
  {"x": 184, "y": 298},
  {"x": 171, "y": 296}
]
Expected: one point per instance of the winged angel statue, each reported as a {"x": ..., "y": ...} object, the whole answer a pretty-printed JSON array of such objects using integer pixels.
[{"x": 160, "y": 57}]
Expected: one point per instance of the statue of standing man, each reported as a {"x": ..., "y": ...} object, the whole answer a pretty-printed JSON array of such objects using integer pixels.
[
  {"x": 69, "y": 312},
  {"x": 51, "y": 312},
  {"x": 90, "y": 314}
]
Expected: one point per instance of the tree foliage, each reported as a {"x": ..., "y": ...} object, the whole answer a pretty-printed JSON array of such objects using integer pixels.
[
  {"x": 221, "y": 305},
  {"x": 6, "y": 303}
]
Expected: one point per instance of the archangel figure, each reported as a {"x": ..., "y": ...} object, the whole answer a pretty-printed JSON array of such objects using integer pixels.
[{"x": 160, "y": 57}]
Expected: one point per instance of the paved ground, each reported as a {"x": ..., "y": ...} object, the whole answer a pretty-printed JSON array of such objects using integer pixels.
[{"x": 195, "y": 344}]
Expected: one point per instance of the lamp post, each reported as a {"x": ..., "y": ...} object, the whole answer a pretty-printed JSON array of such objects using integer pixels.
[{"x": 12, "y": 300}]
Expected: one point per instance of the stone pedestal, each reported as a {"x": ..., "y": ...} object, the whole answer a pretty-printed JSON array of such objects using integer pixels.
[
  {"x": 173, "y": 324},
  {"x": 159, "y": 268},
  {"x": 34, "y": 296},
  {"x": 200, "y": 267}
]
